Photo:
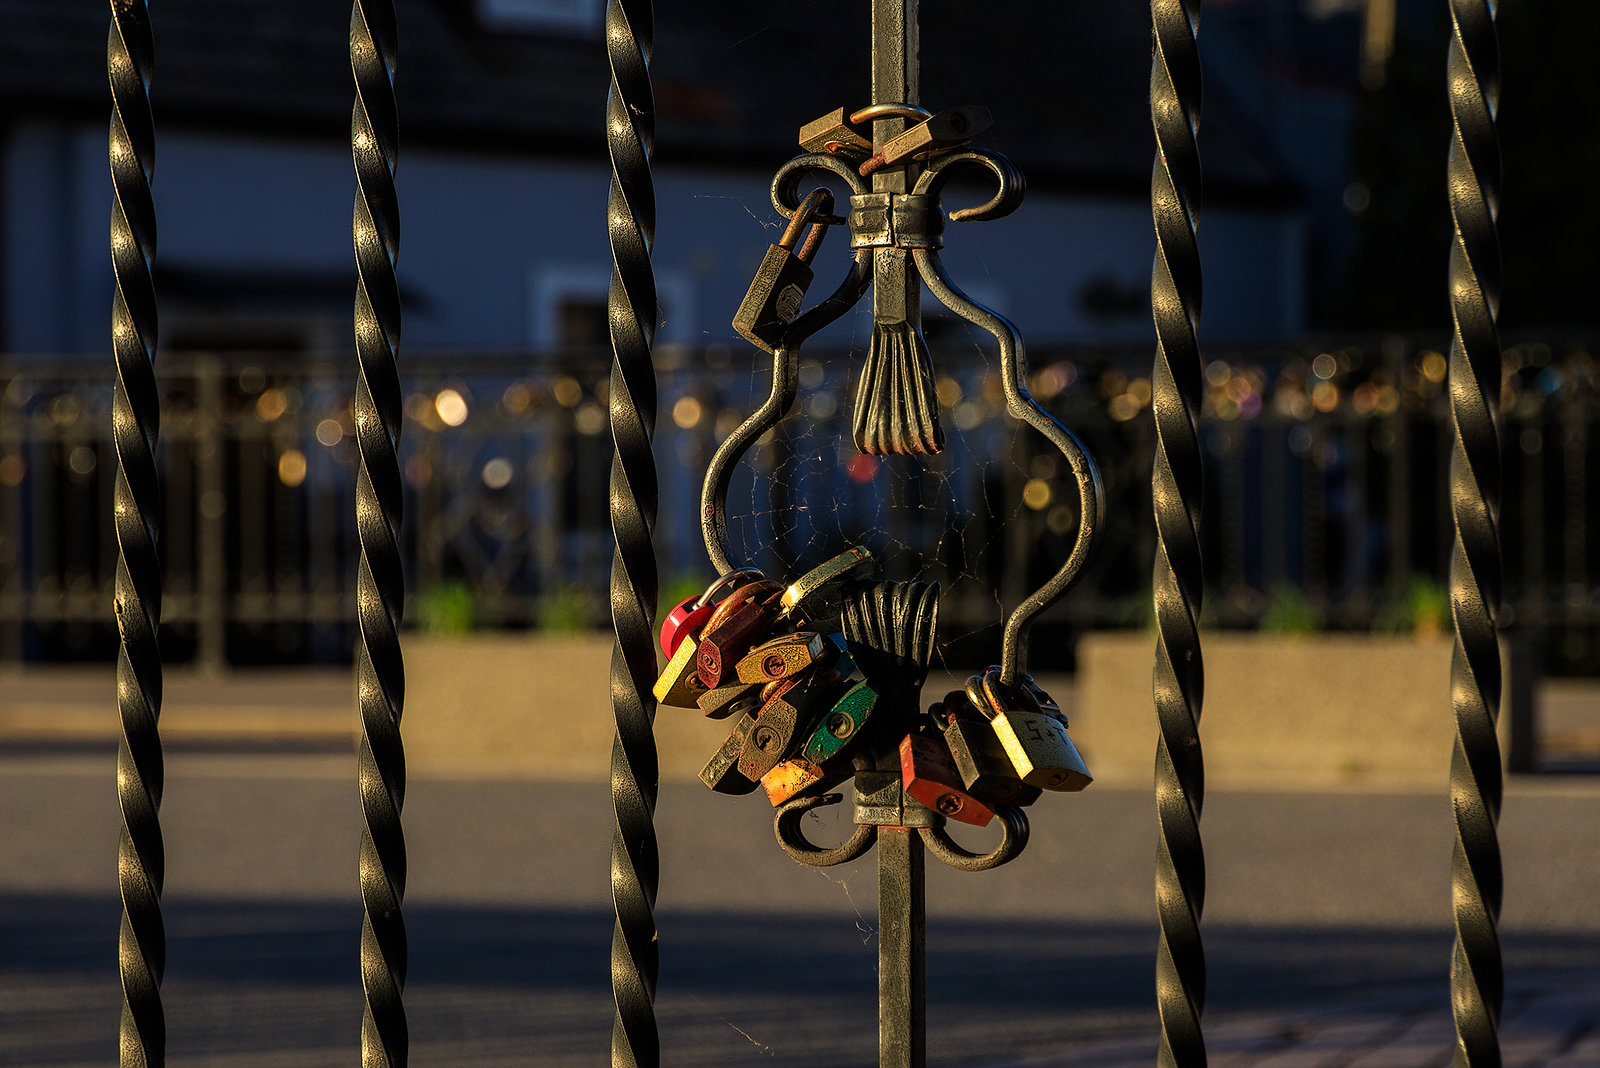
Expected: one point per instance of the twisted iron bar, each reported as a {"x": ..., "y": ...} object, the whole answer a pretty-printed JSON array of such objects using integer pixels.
[
  {"x": 1177, "y": 489},
  {"x": 631, "y": 220},
  {"x": 136, "y": 425},
  {"x": 1476, "y": 979},
  {"x": 380, "y": 583}
]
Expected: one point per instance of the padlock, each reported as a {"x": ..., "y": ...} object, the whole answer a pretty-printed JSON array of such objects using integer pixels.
[
  {"x": 1036, "y": 742},
  {"x": 691, "y": 614},
  {"x": 724, "y": 701},
  {"x": 976, "y": 751},
  {"x": 785, "y": 274},
  {"x": 740, "y": 621},
  {"x": 949, "y": 129},
  {"x": 817, "y": 594},
  {"x": 842, "y": 724},
  {"x": 835, "y": 135},
  {"x": 787, "y": 715},
  {"x": 721, "y": 772},
  {"x": 783, "y": 656},
  {"x": 679, "y": 684},
  {"x": 798, "y": 775},
  {"x": 930, "y": 777}
]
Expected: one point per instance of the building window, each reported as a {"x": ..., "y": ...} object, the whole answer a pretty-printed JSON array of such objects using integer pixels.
[{"x": 577, "y": 17}]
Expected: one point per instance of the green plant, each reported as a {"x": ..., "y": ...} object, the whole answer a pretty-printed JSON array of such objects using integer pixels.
[
  {"x": 567, "y": 610},
  {"x": 1422, "y": 609},
  {"x": 1288, "y": 613},
  {"x": 447, "y": 608}
]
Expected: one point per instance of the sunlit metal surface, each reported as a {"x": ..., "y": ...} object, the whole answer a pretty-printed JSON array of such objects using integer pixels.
[
  {"x": 1178, "y": 490},
  {"x": 380, "y": 584},
  {"x": 1477, "y": 983},
  {"x": 631, "y": 219},
  {"x": 136, "y": 423}
]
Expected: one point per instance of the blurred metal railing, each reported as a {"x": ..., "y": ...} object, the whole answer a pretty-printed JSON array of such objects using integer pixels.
[{"x": 1323, "y": 484}]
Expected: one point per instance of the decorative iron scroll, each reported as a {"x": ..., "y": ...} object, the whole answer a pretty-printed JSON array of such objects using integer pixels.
[
  {"x": 136, "y": 425},
  {"x": 1477, "y": 983},
  {"x": 380, "y": 583},
  {"x": 631, "y": 219},
  {"x": 820, "y": 674}
]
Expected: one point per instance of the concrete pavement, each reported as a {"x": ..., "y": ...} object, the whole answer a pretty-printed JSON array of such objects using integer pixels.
[{"x": 1327, "y": 925}]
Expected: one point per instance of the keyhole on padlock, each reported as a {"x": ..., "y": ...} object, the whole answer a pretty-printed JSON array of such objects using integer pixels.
[
  {"x": 841, "y": 725},
  {"x": 766, "y": 739},
  {"x": 948, "y": 804},
  {"x": 773, "y": 665}
]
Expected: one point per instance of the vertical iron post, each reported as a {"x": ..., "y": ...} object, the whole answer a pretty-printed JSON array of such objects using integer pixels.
[
  {"x": 1178, "y": 488},
  {"x": 631, "y": 303},
  {"x": 902, "y": 963},
  {"x": 136, "y": 424},
  {"x": 380, "y": 580},
  {"x": 1477, "y": 982},
  {"x": 897, "y": 296}
]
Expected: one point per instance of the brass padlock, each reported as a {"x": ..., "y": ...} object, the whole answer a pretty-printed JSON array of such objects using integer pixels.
[
  {"x": 724, "y": 701},
  {"x": 783, "y": 656},
  {"x": 785, "y": 274},
  {"x": 835, "y": 135},
  {"x": 721, "y": 772},
  {"x": 817, "y": 594},
  {"x": 949, "y": 129},
  {"x": 931, "y": 778},
  {"x": 788, "y": 714},
  {"x": 1036, "y": 742},
  {"x": 976, "y": 751},
  {"x": 841, "y": 725},
  {"x": 679, "y": 684}
]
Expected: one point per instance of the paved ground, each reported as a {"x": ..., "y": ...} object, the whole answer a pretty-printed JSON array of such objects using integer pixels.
[{"x": 1327, "y": 927}]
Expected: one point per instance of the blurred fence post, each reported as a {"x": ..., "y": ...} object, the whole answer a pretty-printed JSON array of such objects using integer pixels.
[{"x": 211, "y": 609}]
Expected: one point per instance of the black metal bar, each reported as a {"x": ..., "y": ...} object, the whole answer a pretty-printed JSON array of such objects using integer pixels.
[
  {"x": 631, "y": 216},
  {"x": 1477, "y": 983},
  {"x": 136, "y": 425},
  {"x": 1178, "y": 490},
  {"x": 380, "y": 582},
  {"x": 902, "y": 957},
  {"x": 897, "y": 301}
]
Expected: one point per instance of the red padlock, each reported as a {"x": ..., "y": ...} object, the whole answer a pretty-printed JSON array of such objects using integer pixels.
[
  {"x": 930, "y": 776},
  {"x": 691, "y": 614}
]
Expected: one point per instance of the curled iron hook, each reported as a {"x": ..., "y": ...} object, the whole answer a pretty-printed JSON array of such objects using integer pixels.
[
  {"x": 1006, "y": 199},
  {"x": 1020, "y": 404},
  {"x": 786, "y": 183},
  {"x": 1013, "y": 840},
  {"x": 785, "y": 383},
  {"x": 786, "y": 825}
]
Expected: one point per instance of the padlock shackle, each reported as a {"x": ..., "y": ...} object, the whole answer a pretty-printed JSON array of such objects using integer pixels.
[
  {"x": 723, "y": 580},
  {"x": 817, "y": 202},
  {"x": 874, "y": 112}
]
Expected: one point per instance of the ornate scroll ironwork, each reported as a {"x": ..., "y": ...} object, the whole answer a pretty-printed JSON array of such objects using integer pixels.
[
  {"x": 136, "y": 425},
  {"x": 1476, "y": 979},
  {"x": 1178, "y": 487},
  {"x": 635, "y": 863},
  {"x": 380, "y": 584}
]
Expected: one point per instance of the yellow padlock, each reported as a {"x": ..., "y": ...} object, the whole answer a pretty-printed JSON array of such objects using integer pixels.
[
  {"x": 679, "y": 684},
  {"x": 1035, "y": 741}
]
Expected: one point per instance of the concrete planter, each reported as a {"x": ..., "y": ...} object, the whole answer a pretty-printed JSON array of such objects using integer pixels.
[
  {"x": 1317, "y": 710},
  {"x": 529, "y": 706}
]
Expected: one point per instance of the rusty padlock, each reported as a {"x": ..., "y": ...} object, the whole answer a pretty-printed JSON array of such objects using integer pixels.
[
  {"x": 785, "y": 274},
  {"x": 976, "y": 751},
  {"x": 742, "y": 619},
  {"x": 931, "y": 778}
]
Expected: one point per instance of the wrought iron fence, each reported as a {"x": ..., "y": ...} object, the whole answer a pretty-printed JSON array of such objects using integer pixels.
[{"x": 1321, "y": 464}]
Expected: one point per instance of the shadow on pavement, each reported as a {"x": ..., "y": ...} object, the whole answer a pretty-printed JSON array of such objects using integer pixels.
[{"x": 492, "y": 985}]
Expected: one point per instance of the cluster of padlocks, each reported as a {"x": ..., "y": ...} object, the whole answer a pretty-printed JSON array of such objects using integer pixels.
[{"x": 781, "y": 663}]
